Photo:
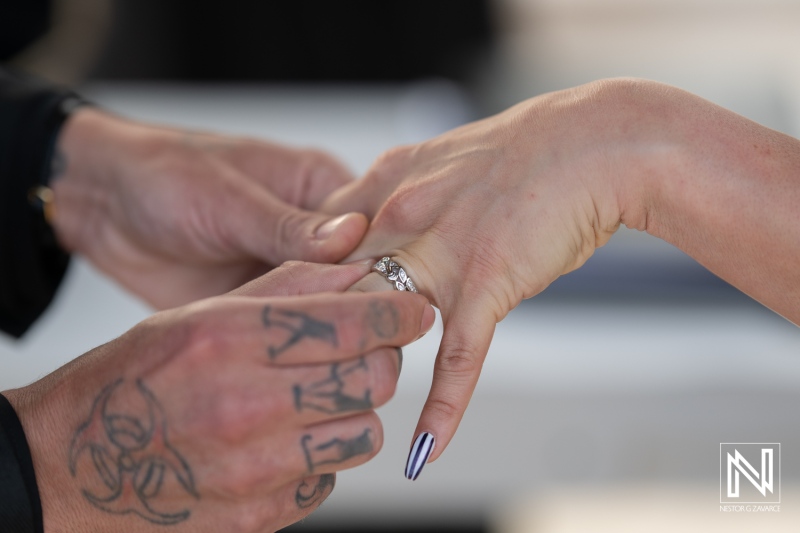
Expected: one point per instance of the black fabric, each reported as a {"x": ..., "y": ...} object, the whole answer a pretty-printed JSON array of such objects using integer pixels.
[
  {"x": 31, "y": 263},
  {"x": 20, "y": 506},
  {"x": 21, "y": 23}
]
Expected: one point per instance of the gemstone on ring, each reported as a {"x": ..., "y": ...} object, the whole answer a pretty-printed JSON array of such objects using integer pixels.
[{"x": 395, "y": 274}]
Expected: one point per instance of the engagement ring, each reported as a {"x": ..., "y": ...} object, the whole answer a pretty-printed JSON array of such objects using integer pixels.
[{"x": 395, "y": 274}]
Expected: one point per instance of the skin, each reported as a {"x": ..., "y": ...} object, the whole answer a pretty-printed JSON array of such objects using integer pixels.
[
  {"x": 491, "y": 213},
  {"x": 187, "y": 423},
  {"x": 176, "y": 215}
]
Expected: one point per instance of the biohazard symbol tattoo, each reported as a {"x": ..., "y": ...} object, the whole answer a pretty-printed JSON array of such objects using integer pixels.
[
  {"x": 300, "y": 326},
  {"x": 132, "y": 457}
]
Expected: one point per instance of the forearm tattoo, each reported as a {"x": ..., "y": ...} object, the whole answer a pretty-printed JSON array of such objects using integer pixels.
[
  {"x": 130, "y": 454},
  {"x": 308, "y": 496},
  {"x": 336, "y": 450},
  {"x": 330, "y": 394},
  {"x": 300, "y": 326}
]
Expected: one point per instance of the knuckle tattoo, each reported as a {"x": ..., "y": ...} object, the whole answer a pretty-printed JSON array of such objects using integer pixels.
[
  {"x": 335, "y": 451},
  {"x": 332, "y": 395},
  {"x": 383, "y": 319},
  {"x": 296, "y": 326},
  {"x": 309, "y": 496}
]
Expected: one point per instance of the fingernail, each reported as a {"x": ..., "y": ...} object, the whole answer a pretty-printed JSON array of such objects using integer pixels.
[
  {"x": 428, "y": 318},
  {"x": 419, "y": 454},
  {"x": 399, "y": 360},
  {"x": 327, "y": 229}
]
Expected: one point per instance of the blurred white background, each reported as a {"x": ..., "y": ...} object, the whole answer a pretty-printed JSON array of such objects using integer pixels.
[{"x": 603, "y": 401}]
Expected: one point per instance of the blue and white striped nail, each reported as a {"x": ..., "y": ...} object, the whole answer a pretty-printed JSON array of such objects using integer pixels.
[{"x": 419, "y": 454}]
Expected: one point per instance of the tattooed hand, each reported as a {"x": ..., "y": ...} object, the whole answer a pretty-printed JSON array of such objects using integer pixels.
[
  {"x": 175, "y": 216},
  {"x": 231, "y": 414}
]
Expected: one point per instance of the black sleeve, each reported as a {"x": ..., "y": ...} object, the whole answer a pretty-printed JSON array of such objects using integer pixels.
[
  {"x": 32, "y": 264},
  {"x": 20, "y": 506}
]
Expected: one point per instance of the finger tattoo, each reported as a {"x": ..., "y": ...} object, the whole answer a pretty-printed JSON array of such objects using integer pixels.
[
  {"x": 336, "y": 450},
  {"x": 383, "y": 319},
  {"x": 307, "y": 496},
  {"x": 299, "y": 325},
  {"x": 330, "y": 395}
]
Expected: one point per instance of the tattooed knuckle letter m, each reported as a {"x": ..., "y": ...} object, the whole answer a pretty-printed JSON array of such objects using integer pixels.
[{"x": 123, "y": 460}]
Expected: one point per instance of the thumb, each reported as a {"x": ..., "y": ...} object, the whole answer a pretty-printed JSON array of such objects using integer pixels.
[
  {"x": 467, "y": 335},
  {"x": 275, "y": 232}
]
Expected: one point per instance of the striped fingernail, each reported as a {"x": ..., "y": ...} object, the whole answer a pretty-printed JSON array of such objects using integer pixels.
[{"x": 419, "y": 454}]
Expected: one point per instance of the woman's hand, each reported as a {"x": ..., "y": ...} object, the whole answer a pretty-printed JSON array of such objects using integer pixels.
[
  {"x": 492, "y": 212},
  {"x": 230, "y": 414},
  {"x": 485, "y": 216},
  {"x": 175, "y": 216}
]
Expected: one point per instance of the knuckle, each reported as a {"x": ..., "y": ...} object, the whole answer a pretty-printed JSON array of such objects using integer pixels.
[
  {"x": 205, "y": 339},
  {"x": 383, "y": 376},
  {"x": 389, "y": 166},
  {"x": 444, "y": 407},
  {"x": 405, "y": 208},
  {"x": 287, "y": 228},
  {"x": 202, "y": 337},
  {"x": 234, "y": 421},
  {"x": 457, "y": 358},
  {"x": 390, "y": 161}
]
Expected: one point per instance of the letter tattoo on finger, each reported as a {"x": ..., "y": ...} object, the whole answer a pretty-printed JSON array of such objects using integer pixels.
[
  {"x": 299, "y": 325},
  {"x": 329, "y": 395},
  {"x": 307, "y": 496},
  {"x": 336, "y": 450},
  {"x": 383, "y": 319}
]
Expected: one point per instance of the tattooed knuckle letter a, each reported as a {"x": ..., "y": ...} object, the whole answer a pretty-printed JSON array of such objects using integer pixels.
[
  {"x": 131, "y": 456},
  {"x": 330, "y": 395},
  {"x": 299, "y": 325}
]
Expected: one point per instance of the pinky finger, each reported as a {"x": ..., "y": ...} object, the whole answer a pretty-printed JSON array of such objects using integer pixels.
[
  {"x": 312, "y": 491},
  {"x": 301, "y": 498}
]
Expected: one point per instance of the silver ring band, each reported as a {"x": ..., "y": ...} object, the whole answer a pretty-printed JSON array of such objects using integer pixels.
[{"x": 395, "y": 274}]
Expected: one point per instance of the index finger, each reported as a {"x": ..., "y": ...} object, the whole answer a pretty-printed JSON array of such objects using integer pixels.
[{"x": 318, "y": 328}]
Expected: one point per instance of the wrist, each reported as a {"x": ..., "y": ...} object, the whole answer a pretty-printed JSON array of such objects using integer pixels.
[
  {"x": 643, "y": 149},
  {"x": 81, "y": 175},
  {"x": 46, "y": 432}
]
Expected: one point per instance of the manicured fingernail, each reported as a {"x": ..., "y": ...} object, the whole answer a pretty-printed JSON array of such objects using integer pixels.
[
  {"x": 327, "y": 229},
  {"x": 428, "y": 318},
  {"x": 419, "y": 454}
]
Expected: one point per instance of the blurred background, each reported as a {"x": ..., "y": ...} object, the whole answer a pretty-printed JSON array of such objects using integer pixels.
[{"x": 604, "y": 400}]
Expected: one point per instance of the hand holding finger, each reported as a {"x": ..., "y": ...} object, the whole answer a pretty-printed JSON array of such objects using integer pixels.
[
  {"x": 207, "y": 417},
  {"x": 310, "y": 329}
]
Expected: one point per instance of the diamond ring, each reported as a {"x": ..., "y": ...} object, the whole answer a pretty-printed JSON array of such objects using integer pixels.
[{"x": 395, "y": 274}]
